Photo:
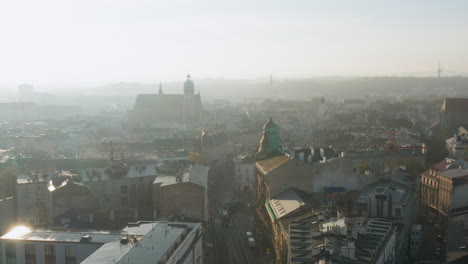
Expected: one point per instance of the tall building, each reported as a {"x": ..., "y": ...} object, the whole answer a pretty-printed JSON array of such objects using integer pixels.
[
  {"x": 453, "y": 114},
  {"x": 168, "y": 108}
]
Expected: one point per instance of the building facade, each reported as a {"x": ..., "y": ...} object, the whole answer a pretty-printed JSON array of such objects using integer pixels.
[{"x": 443, "y": 188}]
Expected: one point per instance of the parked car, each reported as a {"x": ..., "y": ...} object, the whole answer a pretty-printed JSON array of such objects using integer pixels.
[{"x": 251, "y": 242}]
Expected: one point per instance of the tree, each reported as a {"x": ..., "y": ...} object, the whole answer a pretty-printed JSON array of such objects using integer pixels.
[
  {"x": 436, "y": 148},
  {"x": 8, "y": 182}
]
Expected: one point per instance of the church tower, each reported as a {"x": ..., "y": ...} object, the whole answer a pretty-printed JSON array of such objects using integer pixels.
[
  {"x": 189, "y": 88},
  {"x": 192, "y": 102}
]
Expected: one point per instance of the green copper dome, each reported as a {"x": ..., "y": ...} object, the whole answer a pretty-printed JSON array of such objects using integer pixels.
[{"x": 270, "y": 143}]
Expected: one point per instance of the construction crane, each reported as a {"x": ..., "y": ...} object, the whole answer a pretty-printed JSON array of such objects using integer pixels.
[{"x": 395, "y": 147}]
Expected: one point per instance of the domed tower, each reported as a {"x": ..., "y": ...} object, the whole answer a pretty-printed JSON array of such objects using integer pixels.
[
  {"x": 189, "y": 88},
  {"x": 192, "y": 102},
  {"x": 270, "y": 143}
]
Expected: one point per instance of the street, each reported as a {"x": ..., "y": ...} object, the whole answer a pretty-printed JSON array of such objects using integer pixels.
[
  {"x": 229, "y": 242},
  {"x": 429, "y": 243}
]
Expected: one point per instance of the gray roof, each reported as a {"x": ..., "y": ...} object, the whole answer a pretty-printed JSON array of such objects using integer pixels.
[
  {"x": 196, "y": 174},
  {"x": 285, "y": 202},
  {"x": 135, "y": 171},
  {"x": 399, "y": 192},
  {"x": 157, "y": 239},
  {"x": 455, "y": 173},
  {"x": 25, "y": 233}
]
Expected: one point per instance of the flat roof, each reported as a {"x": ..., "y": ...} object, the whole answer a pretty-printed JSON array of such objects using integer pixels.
[
  {"x": 134, "y": 171},
  {"x": 156, "y": 240},
  {"x": 46, "y": 235},
  {"x": 455, "y": 173}
]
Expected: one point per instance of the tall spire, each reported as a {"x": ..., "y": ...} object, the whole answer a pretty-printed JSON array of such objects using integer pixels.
[
  {"x": 160, "y": 89},
  {"x": 439, "y": 70}
]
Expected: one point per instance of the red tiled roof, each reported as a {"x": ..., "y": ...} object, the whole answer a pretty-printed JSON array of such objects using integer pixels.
[
  {"x": 441, "y": 166},
  {"x": 455, "y": 105}
]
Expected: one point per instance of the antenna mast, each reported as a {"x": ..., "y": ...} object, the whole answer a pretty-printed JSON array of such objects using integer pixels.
[{"x": 439, "y": 70}]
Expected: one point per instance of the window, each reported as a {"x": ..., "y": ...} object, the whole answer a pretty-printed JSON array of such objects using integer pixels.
[
  {"x": 30, "y": 253},
  {"x": 10, "y": 249},
  {"x": 354, "y": 170},
  {"x": 49, "y": 252},
  {"x": 397, "y": 212},
  {"x": 70, "y": 255},
  {"x": 26, "y": 195},
  {"x": 124, "y": 201},
  {"x": 123, "y": 189},
  {"x": 27, "y": 208},
  {"x": 133, "y": 189}
]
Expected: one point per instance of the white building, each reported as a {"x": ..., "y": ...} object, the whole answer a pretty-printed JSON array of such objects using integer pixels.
[
  {"x": 244, "y": 171},
  {"x": 33, "y": 200},
  {"x": 138, "y": 243},
  {"x": 457, "y": 146}
]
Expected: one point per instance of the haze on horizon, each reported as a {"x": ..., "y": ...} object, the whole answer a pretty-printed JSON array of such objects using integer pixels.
[{"x": 73, "y": 42}]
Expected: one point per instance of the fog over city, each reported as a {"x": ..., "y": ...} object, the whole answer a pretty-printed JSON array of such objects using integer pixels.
[
  {"x": 65, "y": 43},
  {"x": 233, "y": 132}
]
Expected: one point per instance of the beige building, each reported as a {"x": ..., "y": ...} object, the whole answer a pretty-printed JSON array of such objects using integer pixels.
[{"x": 444, "y": 189}]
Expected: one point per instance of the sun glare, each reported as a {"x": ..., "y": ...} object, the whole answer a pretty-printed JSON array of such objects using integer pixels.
[{"x": 17, "y": 232}]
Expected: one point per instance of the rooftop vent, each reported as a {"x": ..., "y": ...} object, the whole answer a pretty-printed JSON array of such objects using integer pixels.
[
  {"x": 85, "y": 238},
  {"x": 124, "y": 241}
]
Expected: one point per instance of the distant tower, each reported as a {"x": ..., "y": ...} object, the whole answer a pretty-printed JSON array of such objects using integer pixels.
[
  {"x": 192, "y": 102},
  {"x": 276, "y": 91},
  {"x": 160, "y": 89},
  {"x": 189, "y": 88},
  {"x": 439, "y": 70}
]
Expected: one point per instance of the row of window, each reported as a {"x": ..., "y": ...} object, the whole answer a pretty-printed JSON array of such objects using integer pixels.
[
  {"x": 429, "y": 182},
  {"x": 30, "y": 254},
  {"x": 27, "y": 194}
]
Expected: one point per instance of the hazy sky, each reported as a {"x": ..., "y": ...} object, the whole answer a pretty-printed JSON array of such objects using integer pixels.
[{"x": 100, "y": 41}]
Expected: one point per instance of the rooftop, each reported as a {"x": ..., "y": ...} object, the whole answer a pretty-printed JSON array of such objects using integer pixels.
[
  {"x": 268, "y": 165},
  {"x": 196, "y": 174},
  {"x": 158, "y": 240},
  {"x": 398, "y": 192},
  {"x": 455, "y": 173},
  {"x": 87, "y": 175},
  {"x": 60, "y": 235},
  {"x": 285, "y": 202}
]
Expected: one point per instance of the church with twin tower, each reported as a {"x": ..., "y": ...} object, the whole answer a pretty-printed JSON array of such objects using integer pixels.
[{"x": 168, "y": 108}]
